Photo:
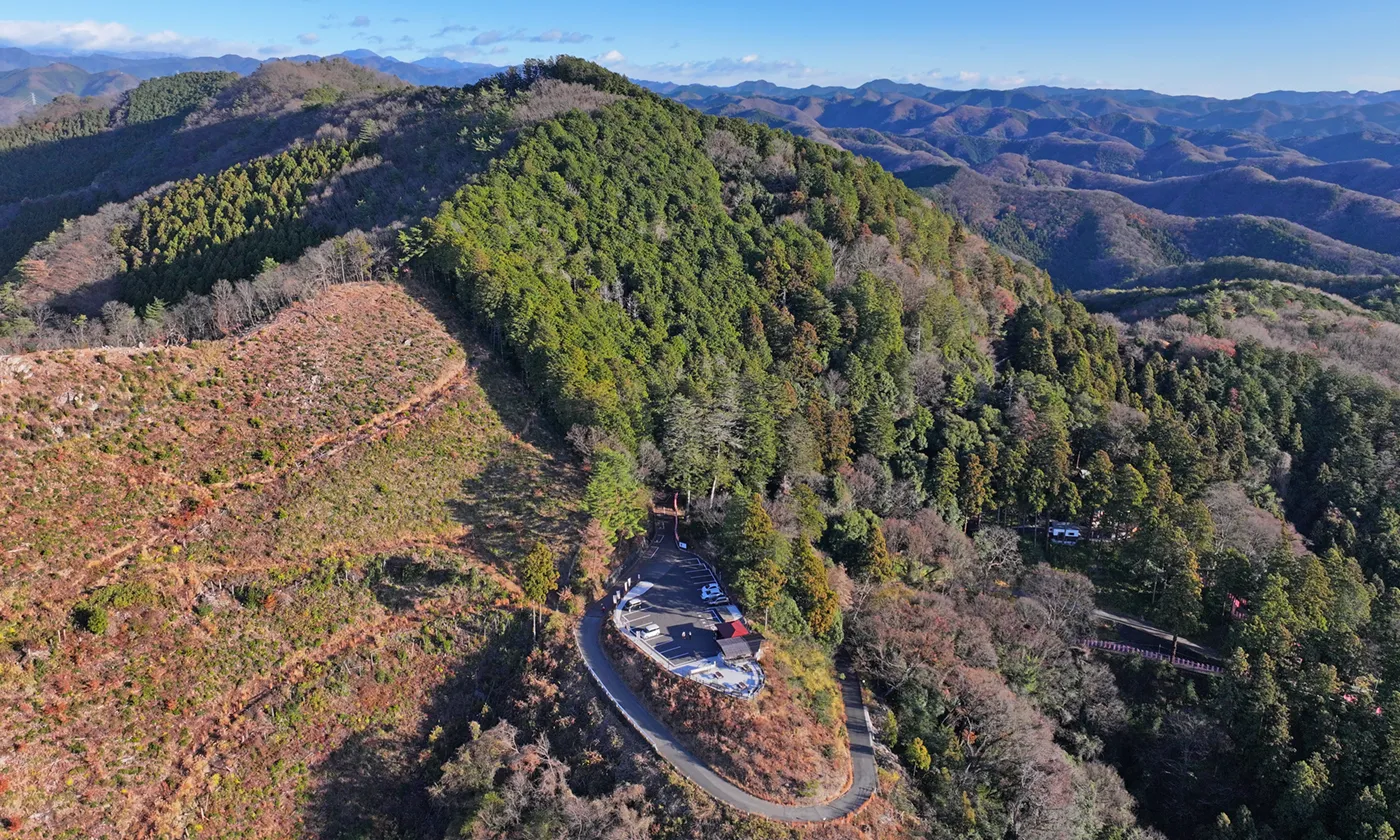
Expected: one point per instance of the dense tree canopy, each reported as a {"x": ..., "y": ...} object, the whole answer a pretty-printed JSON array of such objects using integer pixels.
[{"x": 224, "y": 227}]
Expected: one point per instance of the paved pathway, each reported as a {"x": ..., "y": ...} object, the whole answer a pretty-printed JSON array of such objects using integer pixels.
[
  {"x": 589, "y": 636},
  {"x": 1156, "y": 632}
]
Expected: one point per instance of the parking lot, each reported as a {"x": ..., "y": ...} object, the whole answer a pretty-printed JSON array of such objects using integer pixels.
[{"x": 674, "y": 605}]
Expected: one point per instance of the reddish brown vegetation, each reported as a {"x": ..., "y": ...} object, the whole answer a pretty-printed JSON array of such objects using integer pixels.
[
  {"x": 1204, "y": 345},
  {"x": 932, "y": 642},
  {"x": 112, "y": 443}
]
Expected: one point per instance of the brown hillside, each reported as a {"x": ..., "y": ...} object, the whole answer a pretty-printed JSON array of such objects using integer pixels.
[{"x": 294, "y": 540}]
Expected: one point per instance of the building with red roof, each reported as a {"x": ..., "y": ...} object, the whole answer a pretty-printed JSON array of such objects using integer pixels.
[{"x": 732, "y": 630}]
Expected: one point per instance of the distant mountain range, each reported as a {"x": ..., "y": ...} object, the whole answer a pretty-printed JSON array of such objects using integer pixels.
[
  {"x": 1104, "y": 186},
  {"x": 26, "y": 88},
  {"x": 1099, "y": 186},
  {"x": 47, "y": 76}
]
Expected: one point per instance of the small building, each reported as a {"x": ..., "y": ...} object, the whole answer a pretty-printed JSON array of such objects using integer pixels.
[
  {"x": 728, "y": 612},
  {"x": 741, "y": 648},
  {"x": 737, "y": 642}
]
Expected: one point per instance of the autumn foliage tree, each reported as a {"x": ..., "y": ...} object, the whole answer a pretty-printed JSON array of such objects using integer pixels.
[
  {"x": 813, "y": 593},
  {"x": 595, "y": 554}
]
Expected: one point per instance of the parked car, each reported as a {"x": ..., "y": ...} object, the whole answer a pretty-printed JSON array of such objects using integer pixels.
[
  {"x": 1065, "y": 533},
  {"x": 647, "y": 631}
]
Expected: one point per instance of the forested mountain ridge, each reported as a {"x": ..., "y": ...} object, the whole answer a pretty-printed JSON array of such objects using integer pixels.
[
  {"x": 80, "y": 158},
  {"x": 841, "y": 380}
]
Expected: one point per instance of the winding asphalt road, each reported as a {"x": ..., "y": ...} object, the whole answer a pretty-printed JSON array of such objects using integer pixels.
[{"x": 589, "y": 636}]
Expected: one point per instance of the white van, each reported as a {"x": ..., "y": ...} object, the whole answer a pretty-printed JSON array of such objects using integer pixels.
[
  {"x": 1064, "y": 533},
  {"x": 647, "y": 631}
]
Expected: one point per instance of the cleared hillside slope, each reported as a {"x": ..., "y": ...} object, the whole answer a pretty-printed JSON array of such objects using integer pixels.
[{"x": 277, "y": 536}]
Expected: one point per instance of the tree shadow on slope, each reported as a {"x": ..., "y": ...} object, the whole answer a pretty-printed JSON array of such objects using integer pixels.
[
  {"x": 417, "y": 167},
  {"x": 376, "y": 783},
  {"x": 522, "y": 494},
  {"x": 406, "y": 579},
  {"x": 515, "y": 501},
  {"x": 520, "y": 411}
]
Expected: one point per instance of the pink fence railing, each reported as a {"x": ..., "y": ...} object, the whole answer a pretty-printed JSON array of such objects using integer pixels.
[{"x": 1175, "y": 661}]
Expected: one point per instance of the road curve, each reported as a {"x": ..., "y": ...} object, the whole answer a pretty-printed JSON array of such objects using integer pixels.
[{"x": 589, "y": 635}]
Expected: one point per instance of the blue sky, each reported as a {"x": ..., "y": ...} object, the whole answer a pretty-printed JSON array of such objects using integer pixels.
[{"x": 1212, "y": 47}]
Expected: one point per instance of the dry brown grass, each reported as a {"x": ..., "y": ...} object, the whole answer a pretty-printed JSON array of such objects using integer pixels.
[
  {"x": 112, "y": 450},
  {"x": 267, "y": 616}
]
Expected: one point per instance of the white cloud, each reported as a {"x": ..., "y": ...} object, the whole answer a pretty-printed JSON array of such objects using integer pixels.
[
  {"x": 465, "y": 52},
  {"x": 495, "y": 36},
  {"x": 458, "y": 52},
  {"x": 555, "y": 36},
  {"x": 360, "y": 21},
  {"x": 308, "y": 38},
  {"x": 97, "y": 36},
  {"x": 970, "y": 79},
  {"x": 1007, "y": 82},
  {"x": 716, "y": 71},
  {"x": 451, "y": 28},
  {"x": 549, "y": 36}
]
